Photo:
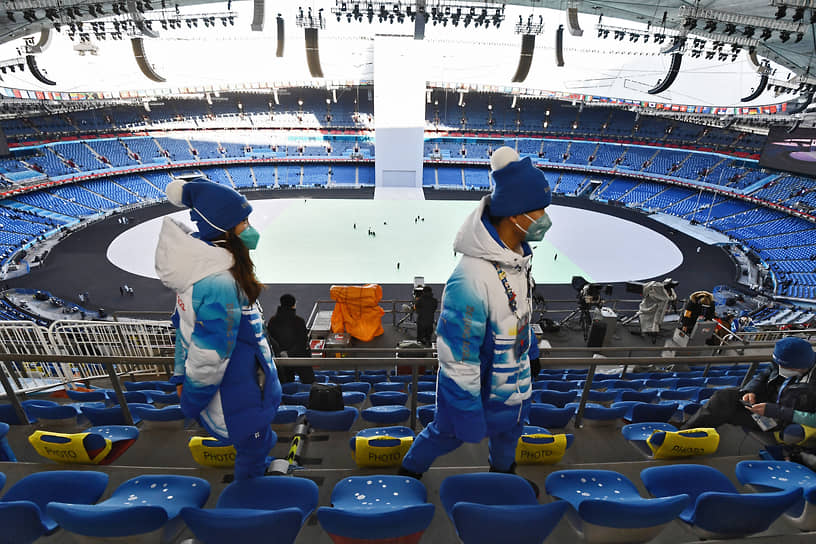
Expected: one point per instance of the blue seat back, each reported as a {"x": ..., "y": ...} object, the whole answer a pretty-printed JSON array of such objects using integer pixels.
[
  {"x": 71, "y": 486},
  {"x": 487, "y": 524},
  {"x": 489, "y": 488},
  {"x": 271, "y": 493},
  {"x": 341, "y": 420},
  {"x": 386, "y": 398},
  {"x": 226, "y": 525}
]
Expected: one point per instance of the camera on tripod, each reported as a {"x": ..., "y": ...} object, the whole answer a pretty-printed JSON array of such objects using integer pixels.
[{"x": 589, "y": 294}]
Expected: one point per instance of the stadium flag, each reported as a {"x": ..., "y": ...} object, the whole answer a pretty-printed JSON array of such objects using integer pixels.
[
  {"x": 40, "y": 95},
  {"x": 17, "y": 93}
]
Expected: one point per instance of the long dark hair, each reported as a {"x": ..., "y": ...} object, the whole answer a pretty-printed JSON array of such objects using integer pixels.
[{"x": 244, "y": 269}]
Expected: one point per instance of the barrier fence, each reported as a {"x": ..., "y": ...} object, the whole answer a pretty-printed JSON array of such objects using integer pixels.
[{"x": 69, "y": 352}]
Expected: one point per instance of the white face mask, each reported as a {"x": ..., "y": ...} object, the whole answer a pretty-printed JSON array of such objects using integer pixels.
[{"x": 789, "y": 372}]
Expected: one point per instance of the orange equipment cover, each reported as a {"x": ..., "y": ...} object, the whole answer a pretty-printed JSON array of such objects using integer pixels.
[{"x": 356, "y": 311}]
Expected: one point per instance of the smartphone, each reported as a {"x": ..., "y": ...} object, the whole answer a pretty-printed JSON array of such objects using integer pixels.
[{"x": 746, "y": 404}]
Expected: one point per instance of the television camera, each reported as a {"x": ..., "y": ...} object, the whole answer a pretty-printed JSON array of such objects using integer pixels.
[
  {"x": 589, "y": 299},
  {"x": 657, "y": 297}
]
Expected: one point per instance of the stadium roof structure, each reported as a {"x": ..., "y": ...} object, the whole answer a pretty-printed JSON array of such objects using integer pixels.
[
  {"x": 779, "y": 16},
  {"x": 731, "y": 50}
]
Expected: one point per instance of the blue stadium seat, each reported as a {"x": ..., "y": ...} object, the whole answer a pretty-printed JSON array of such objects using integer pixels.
[
  {"x": 296, "y": 399},
  {"x": 608, "y": 507},
  {"x": 9, "y": 415},
  {"x": 637, "y": 412},
  {"x": 254, "y": 510},
  {"x": 288, "y": 415},
  {"x": 426, "y": 397},
  {"x": 23, "y": 514},
  {"x": 376, "y": 508},
  {"x": 362, "y": 387},
  {"x": 353, "y": 397},
  {"x": 556, "y": 398},
  {"x": 387, "y": 415},
  {"x": 53, "y": 417},
  {"x": 717, "y": 509},
  {"x": 168, "y": 417},
  {"x": 596, "y": 414},
  {"x": 110, "y": 416},
  {"x": 780, "y": 475},
  {"x": 140, "y": 505},
  {"x": 388, "y": 398},
  {"x": 549, "y": 416},
  {"x": 389, "y": 386},
  {"x": 341, "y": 420},
  {"x": 489, "y": 507},
  {"x": 87, "y": 396}
]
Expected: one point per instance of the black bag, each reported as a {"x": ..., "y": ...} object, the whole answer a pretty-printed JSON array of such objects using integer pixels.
[{"x": 327, "y": 397}]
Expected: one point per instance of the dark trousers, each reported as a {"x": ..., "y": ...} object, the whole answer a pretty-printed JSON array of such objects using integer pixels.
[
  {"x": 424, "y": 332},
  {"x": 723, "y": 407},
  {"x": 252, "y": 454},
  {"x": 286, "y": 374}
]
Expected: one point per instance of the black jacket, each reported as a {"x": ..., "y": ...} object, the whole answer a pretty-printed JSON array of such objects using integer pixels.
[
  {"x": 799, "y": 395},
  {"x": 289, "y": 332},
  {"x": 426, "y": 308}
]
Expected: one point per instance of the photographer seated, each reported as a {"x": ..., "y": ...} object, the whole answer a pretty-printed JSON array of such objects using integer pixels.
[
  {"x": 425, "y": 307},
  {"x": 782, "y": 395}
]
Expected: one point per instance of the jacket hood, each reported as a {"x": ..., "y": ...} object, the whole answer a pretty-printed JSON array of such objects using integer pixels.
[
  {"x": 478, "y": 238},
  {"x": 182, "y": 259}
]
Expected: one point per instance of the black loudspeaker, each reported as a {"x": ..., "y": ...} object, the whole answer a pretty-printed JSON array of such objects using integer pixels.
[
  {"x": 559, "y": 45},
  {"x": 4, "y": 148},
  {"x": 35, "y": 71},
  {"x": 419, "y": 22},
  {"x": 312, "y": 53},
  {"x": 279, "y": 51},
  {"x": 258, "y": 9},
  {"x": 141, "y": 60},
  {"x": 597, "y": 331},
  {"x": 666, "y": 82},
  {"x": 763, "y": 82},
  {"x": 526, "y": 58}
]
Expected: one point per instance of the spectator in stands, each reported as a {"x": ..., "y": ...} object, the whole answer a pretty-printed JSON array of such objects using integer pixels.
[
  {"x": 223, "y": 360},
  {"x": 288, "y": 331},
  {"x": 786, "y": 393},
  {"x": 484, "y": 336},
  {"x": 425, "y": 306}
]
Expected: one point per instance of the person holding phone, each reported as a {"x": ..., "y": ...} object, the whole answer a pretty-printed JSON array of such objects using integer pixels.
[{"x": 785, "y": 393}]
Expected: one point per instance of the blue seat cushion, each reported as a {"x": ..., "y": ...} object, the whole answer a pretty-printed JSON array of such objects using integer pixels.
[
  {"x": 21, "y": 522},
  {"x": 289, "y": 414},
  {"x": 149, "y": 413},
  {"x": 107, "y": 521},
  {"x": 386, "y": 414},
  {"x": 340, "y": 420}
]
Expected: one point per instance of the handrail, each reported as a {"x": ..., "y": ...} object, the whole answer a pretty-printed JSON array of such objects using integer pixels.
[{"x": 110, "y": 362}]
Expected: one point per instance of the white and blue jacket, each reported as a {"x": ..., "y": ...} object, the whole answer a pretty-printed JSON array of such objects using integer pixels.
[
  {"x": 222, "y": 356},
  {"x": 484, "y": 361}
]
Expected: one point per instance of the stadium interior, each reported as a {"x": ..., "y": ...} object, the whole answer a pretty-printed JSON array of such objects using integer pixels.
[{"x": 678, "y": 141}]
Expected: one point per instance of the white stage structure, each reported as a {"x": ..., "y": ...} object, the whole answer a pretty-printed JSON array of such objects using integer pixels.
[{"x": 399, "y": 113}]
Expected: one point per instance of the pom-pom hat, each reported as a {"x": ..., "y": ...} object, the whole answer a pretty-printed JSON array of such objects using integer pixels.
[
  {"x": 214, "y": 208},
  {"x": 794, "y": 353},
  {"x": 520, "y": 187}
]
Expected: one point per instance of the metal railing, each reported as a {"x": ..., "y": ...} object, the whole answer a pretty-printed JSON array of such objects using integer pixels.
[{"x": 74, "y": 351}]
